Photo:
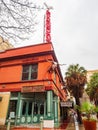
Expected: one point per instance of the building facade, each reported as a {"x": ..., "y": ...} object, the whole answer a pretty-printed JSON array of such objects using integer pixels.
[
  {"x": 4, "y": 44},
  {"x": 31, "y": 86},
  {"x": 90, "y": 73},
  {"x": 85, "y": 96}
]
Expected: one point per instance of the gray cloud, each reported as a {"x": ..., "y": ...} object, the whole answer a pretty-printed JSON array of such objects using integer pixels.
[{"x": 75, "y": 32}]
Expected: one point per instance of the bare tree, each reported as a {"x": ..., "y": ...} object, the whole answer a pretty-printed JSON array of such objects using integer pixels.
[{"x": 17, "y": 18}]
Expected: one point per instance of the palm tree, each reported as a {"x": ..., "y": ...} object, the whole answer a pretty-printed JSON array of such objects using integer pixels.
[
  {"x": 92, "y": 88},
  {"x": 75, "y": 80}
]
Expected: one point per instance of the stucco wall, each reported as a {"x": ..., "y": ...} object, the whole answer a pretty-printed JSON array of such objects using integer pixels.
[{"x": 4, "y": 106}]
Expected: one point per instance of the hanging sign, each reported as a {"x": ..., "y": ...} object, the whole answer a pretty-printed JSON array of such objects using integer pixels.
[{"x": 67, "y": 104}]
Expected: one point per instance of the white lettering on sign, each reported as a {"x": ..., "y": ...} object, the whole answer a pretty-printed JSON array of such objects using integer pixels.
[{"x": 67, "y": 104}]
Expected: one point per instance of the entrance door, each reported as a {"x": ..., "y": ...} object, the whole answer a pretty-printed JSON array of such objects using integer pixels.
[
  {"x": 38, "y": 111},
  {"x": 31, "y": 111},
  {"x": 26, "y": 112}
]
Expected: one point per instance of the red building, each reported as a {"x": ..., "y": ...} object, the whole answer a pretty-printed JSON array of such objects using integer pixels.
[{"x": 31, "y": 86}]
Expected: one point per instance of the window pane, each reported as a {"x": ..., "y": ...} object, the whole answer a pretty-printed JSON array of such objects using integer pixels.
[
  {"x": 26, "y": 69},
  {"x": 12, "y": 107},
  {"x": 34, "y": 67},
  {"x": 24, "y": 108},
  {"x": 34, "y": 71},
  {"x": 25, "y": 76},
  {"x": 41, "y": 109},
  {"x": 30, "y": 108},
  {"x": 35, "y": 109},
  {"x": 34, "y": 75}
]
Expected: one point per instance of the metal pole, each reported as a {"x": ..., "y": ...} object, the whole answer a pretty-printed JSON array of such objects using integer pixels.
[
  {"x": 9, "y": 124},
  {"x": 41, "y": 123},
  {"x": 76, "y": 123}
]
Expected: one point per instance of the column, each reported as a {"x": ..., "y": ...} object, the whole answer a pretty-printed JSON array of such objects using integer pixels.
[
  {"x": 55, "y": 109},
  {"x": 49, "y": 103}
]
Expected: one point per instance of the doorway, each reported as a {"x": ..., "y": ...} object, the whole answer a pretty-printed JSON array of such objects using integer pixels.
[{"x": 31, "y": 109}]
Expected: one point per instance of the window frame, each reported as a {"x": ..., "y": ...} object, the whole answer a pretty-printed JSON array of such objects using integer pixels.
[{"x": 27, "y": 74}]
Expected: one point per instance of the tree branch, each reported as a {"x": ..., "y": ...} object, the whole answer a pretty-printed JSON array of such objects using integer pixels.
[{"x": 17, "y": 17}]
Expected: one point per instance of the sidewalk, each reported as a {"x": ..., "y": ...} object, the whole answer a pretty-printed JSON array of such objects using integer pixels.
[
  {"x": 65, "y": 126},
  {"x": 76, "y": 126},
  {"x": 72, "y": 126}
]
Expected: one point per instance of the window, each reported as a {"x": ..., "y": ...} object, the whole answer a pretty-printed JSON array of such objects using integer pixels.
[
  {"x": 29, "y": 72},
  {"x": 35, "y": 108},
  {"x": 12, "y": 108},
  {"x": 24, "y": 108},
  {"x": 30, "y": 108},
  {"x": 41, "y": 109}
]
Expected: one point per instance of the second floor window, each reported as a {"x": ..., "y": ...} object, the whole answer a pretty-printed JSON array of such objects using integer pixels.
[{"x": 30, "y": 72}]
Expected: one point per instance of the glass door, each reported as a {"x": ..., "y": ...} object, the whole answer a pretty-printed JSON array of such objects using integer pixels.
[
  {"x": 38, "y": 111},
  {"x": 26, "y": 112},
  {"x": 32, "y": 111}
]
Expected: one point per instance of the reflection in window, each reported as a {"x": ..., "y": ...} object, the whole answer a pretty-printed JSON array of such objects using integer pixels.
[
  {"x": 30, "y": 108},
  {"x": 24, "y": 108},
  {"x": 35, "y": 108},
  {"x": 41, "y": 109}
]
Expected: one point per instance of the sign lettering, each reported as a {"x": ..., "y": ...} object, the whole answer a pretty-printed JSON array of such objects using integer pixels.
[{"x": 38, "y": 88}]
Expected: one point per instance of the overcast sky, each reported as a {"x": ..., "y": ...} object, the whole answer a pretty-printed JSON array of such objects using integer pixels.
[{"x": 74, "y": 31}]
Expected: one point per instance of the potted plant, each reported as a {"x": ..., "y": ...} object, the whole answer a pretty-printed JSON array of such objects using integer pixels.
[{"x": 88, "y": 111}]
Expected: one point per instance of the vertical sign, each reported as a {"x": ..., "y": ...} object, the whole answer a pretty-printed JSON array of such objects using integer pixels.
[{"x": 47, "y": 26}]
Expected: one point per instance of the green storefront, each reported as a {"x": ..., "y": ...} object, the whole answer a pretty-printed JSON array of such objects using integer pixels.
[{"x": 29, "y": 108}]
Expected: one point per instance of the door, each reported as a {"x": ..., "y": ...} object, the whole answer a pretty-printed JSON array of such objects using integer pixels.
[
  {"x": 32, "y": 111},
  {"x": 26, "y": 112},
  {"x": 38, "y": 111}
]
